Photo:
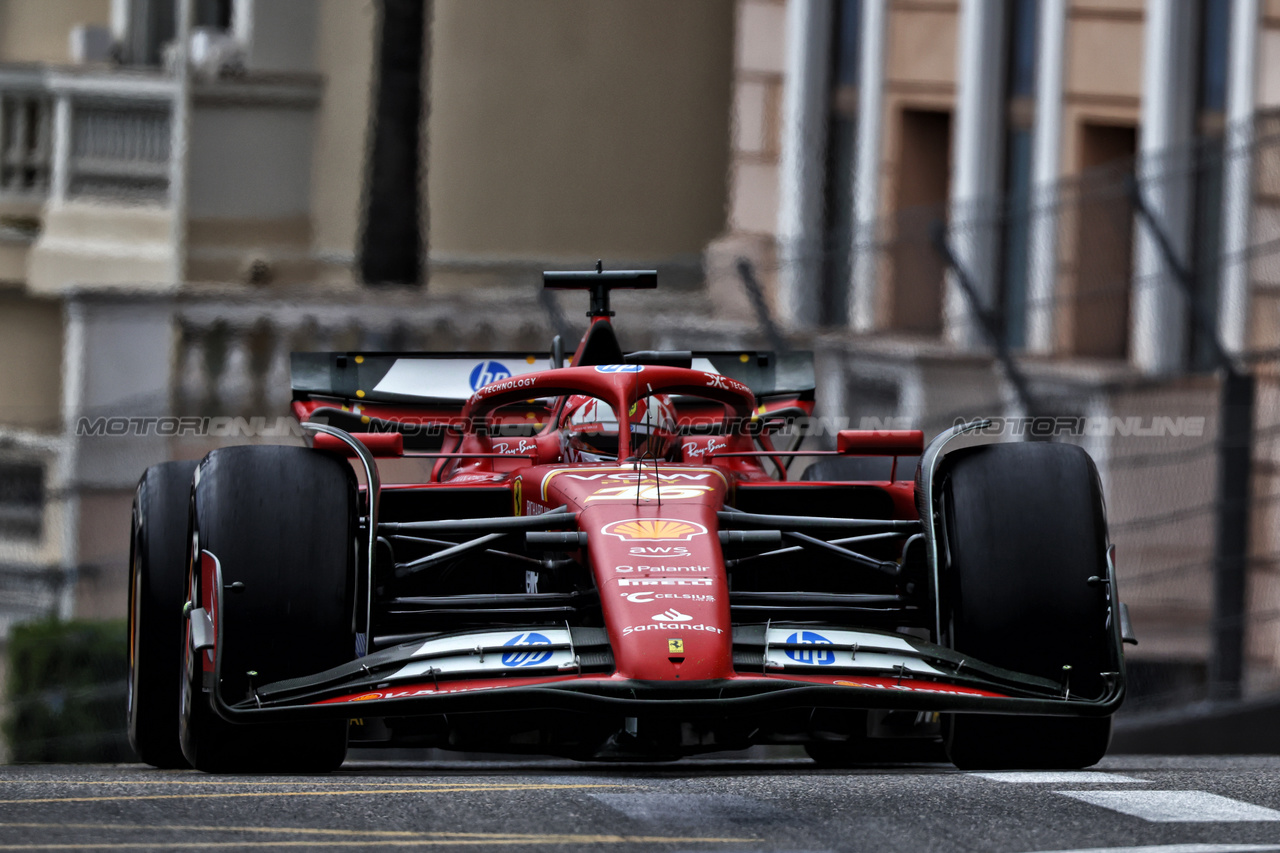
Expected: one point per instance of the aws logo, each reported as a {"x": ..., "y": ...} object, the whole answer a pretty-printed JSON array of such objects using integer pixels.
[{"x": 660, "y": 551}]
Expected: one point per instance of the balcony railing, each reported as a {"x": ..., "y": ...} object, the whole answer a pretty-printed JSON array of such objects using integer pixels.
[
  {"x": 73, "y": 134},
  {"x": 26, "y": 119}
]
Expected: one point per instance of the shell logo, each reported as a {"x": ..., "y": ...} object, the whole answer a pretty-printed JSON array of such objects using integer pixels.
[
  {"x": 653, "y": 530},
  {"x": 365, "y": 697}
]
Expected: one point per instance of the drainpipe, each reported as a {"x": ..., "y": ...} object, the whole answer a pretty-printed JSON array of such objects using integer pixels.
[
  {"x": 1159, "y": 339},
  {"x": 1046, "y": 161},
  {"x": 1237, "y": 202},
  {"x": 975, "y": 182},
  {"x": 180, "y": 143},
  {"x": 866, "y": 181},
  {"x": 802, "y": 165}
]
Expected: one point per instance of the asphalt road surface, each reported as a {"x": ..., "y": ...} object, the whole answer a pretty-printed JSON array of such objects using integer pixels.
[{"x": 1129, "y": 803}]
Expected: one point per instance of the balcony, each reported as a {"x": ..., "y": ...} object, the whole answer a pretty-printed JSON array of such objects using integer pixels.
[{"x": 87, "y": 177}]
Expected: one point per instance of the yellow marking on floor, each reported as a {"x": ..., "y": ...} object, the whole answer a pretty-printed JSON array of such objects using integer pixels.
[
  {"x": 395, "y": 838},
  {"x": 317, "y": 782},
  {"x": 198, "y": 796},
  {"x": 291, "y": 830},
  {"x": 523, "y": 840}
]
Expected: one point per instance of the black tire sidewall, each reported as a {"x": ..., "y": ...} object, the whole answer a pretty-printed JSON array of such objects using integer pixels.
[
  {"x": 157, "y": 590},
  {"x": 282, "y": 522},
  {"x": 1024, "y": 530}
]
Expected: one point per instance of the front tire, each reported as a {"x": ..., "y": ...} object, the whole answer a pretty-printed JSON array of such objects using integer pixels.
[
  {"x": 1025, "y": 530},
  {"x": 281, "y": 521},
  {"x": 157, "y": 576}
]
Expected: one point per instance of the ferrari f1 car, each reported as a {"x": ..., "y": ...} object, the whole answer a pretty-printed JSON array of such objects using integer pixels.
[{"x": 603, "y": 557}]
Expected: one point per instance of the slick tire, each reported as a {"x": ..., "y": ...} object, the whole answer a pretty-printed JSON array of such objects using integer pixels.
[
  {"x": 282, "y": 522},
  {"x": 157, "y": 590},
  {"x": 1025, "y": 529}
]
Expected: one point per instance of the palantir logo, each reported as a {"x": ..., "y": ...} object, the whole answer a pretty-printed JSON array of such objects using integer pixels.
[
  {"x": 487, "y": 372},
  {"x": 525, "y": 656},
  {"x": 816, "y": 656}
]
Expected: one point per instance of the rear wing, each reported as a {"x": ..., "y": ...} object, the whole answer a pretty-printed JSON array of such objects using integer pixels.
[
  {"x": 421, "y": 378},
  {"x": 427, "y": 378}
]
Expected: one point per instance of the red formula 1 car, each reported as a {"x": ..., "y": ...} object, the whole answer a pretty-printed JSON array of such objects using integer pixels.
[{"x": 607, "y": 560}]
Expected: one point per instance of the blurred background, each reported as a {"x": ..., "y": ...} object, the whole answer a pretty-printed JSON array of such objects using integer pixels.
[{"x": 1067, "y": 209}]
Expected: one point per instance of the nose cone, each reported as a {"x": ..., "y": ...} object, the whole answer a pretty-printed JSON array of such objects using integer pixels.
[
  {"x": 654, "y": 549},
  {"x": 663, "y": 590}
]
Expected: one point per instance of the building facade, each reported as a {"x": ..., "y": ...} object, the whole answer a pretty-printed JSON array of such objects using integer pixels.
[
  {"x": 912, "y": 183},
  {"x": 920, "y": 182}
]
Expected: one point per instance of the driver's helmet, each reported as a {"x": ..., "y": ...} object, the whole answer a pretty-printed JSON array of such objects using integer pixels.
[{"x": 589, "y": 429}]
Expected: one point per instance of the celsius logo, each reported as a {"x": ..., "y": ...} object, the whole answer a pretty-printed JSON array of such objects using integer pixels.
[
  {"x": 619, "y": 368},
  {"x": 526, "y": 656},
  {"x": 818, "y": 657},
  {"x": 486, "y": 372},
  {"x": 672, "y": 615}
]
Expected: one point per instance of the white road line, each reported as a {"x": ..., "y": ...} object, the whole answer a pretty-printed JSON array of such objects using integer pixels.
[
  {"x": 1176, "y": 806},
  {"x": 1175, "y": 848},
  {"x": 1083, "y": 777}
]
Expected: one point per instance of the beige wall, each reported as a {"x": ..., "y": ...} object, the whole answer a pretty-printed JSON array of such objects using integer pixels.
[
  {"x": 31, "y": 350},
  {"x": 344, "y": 55},
  {"x": 577, "y": 128},
  {"x": 922, "y": 45},
  {"x": 39, "y": 30},
  {"x": 102, "y": 589},
  {"x": 756, "y": 120}
]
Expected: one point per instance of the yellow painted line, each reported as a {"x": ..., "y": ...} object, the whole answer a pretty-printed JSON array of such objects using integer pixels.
[
  {"x": 317, "y": 782},
  {"x": 407, "y": 835},
  {"x": 522, "y": 840},
  {"x": 394, "y": 838},
  {"x": 197, "y": 796},
  {"x": 289, "y": 830}
]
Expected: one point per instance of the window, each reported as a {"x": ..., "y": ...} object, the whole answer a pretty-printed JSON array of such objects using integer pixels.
[
  {"x": 213, "y": 13},
  {"x": 1103, "y": 251},
  {"x": 152, "y": 24},
  {"x": 21, "y": 500},
  {"x": 924, "y": 177}
]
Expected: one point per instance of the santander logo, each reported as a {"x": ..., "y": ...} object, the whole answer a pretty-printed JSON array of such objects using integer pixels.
[{"x": 672, "y": 615}]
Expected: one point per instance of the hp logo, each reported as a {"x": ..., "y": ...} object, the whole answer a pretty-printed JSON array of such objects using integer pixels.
[
  {"x": 487, "y": 372},
  {"x": 524, "y": 655},
  {"x": 816, "y": 656},
  {"x": 619, "y": 368}
]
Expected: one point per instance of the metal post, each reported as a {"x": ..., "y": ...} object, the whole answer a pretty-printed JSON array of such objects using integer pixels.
[
  {"x": 180, "y": 143},
  {"x": 1230, "y": 547},
  {"x": 1235, "y": 470}
]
